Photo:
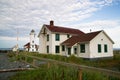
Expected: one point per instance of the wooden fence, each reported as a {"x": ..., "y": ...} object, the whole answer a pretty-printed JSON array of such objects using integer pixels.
[
  {"x": 14, "y": 70},
  {"x": 80, "y": 67}
]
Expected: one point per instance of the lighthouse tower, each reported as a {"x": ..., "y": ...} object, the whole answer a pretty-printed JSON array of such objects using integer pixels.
[{"x": 32, "y": 41}]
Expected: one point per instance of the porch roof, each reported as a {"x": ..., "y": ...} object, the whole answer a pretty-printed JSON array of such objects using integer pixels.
[{"x": 80, "y": 38}]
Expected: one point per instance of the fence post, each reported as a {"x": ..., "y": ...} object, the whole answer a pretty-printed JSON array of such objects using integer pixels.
[
  {"x": 34, "y": 62},
  {"x": 25, "y": 58},
  {"x": 48, "y": 64},
  {"x": 80, "y": 74},
  {"x": 20, "y": 58}
]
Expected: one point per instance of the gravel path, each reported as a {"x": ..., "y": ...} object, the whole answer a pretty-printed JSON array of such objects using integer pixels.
[{"x": 5, "y": 63}]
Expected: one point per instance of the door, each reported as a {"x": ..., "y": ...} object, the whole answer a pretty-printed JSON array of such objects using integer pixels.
[
  {"x": 69, "y": 51},
  {"x": 75, "y": 50}
]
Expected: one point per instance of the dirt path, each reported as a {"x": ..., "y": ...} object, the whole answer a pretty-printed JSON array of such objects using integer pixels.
[{"x": 5, "y": 63}]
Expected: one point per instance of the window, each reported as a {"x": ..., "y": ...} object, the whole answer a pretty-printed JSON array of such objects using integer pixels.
[
  {"x": 57, "y": 37},
  {"x": 47, "y": 37},
  {"x": 57, "y": 49},
  {"x": 32, "y": 41},
  {"x": 75, "y": 50},
  {"x": 63, "y": 48},
  {"x": 32, "y": 49},
  {"x": 82, "y": 48},
  {"x": 105, "y": 48},
  {"x": 68, "y": 36},
  {"x": 99, "y": 48},
  {"x": 32, "y": 46},
  {"x": 47, "y": 49},
  {"x": 69, "y": 51}
]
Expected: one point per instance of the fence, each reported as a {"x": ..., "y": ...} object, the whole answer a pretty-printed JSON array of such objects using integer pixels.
[
  {"x": 14, "y": 70},
  {"x": 80, "y": 67}
]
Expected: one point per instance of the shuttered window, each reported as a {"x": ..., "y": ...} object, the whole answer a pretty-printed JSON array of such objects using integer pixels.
[
  {"x": 57, "y": 49},
  {"x": 47, "y": 49},
  {"x": 99, "y": 48},
  {"x": 63, "y": 48},
  {"x": 82, "y": 48},
  {"x": 105, "y": 48},
  {"x": 57, "y": 37},
  {"x": 47, "y": 37},
  {"x": 68, "y": 36}
]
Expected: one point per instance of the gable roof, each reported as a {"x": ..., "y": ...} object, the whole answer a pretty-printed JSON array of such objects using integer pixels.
[
  {"x": 80, "y": 38},
  {"x": 28, "y": 45},
  {"x": 64, "y": 30},
  {"x": 108, "y": 37},
  {"x": 58, "y": 29}
]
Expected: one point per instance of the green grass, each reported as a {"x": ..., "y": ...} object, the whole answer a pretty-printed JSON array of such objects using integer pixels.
[
  {"x": 102, "y": 63},
  {"x": 113, "y": 64},
  {"x": 58, "y": 72},
  {"x": 53, "y": 73}
]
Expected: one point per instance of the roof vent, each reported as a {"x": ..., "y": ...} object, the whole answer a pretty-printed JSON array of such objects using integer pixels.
[{"x": 51, "y": 23}]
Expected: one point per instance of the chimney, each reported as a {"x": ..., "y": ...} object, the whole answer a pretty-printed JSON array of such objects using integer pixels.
[{"x": 51, "y": 23}]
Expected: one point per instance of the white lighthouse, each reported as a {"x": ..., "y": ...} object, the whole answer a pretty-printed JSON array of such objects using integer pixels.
[
  {"x": 32, "y": 41},
  {"x": 31, "y": 46}
]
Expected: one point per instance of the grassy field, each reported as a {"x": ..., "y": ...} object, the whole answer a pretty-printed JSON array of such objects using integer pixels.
[
  {"x": 58, "y": 72},
  {"x": 113, "y": 63}
]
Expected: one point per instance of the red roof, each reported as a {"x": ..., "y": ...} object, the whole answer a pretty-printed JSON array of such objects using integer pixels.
[
  {"x": 80, "y": 38},
  {"x": 28, "y": 45},
  {"x": 64, "y": 30}
]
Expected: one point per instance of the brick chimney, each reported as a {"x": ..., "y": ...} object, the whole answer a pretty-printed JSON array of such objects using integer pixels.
[{"x": 51, "y": 23}]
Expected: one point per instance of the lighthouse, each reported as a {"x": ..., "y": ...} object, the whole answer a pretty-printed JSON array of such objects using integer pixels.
[
  {"x": 31, "y": 46},
  {"x": 32, "y": 41}
]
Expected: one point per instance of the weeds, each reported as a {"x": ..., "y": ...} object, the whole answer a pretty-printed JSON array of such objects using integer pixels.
[{"x": 58, "y": 72}]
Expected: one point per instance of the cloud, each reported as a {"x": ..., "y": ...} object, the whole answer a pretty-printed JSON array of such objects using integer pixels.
[
  {"x": 114, "y": 34},
  {"x": 31, "y": 14},
  {"x": 100, "y": 24},
  {"x": 24, "y": 15},
  {"x": 11, "y": 41},
  {"x": 14, "y": 38}
]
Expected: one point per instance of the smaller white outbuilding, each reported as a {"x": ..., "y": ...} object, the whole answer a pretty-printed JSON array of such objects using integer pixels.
[{"x": 15, "y": 48}]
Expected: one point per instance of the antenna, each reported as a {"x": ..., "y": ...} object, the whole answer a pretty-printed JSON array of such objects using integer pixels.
[{"x": 17, "y": 47}]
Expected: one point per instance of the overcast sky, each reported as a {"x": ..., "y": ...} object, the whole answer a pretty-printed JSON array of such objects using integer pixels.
[{"x": 24, "y": 15}]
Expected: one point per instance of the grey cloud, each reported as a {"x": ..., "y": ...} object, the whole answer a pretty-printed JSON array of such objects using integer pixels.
[{"x": 31, "y": 14}]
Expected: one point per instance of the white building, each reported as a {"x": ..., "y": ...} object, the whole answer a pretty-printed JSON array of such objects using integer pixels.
[
  {"x": 31, "y": 46},
  {"x": 15, "y": 48},
  {"x": 68, "y": 41}
]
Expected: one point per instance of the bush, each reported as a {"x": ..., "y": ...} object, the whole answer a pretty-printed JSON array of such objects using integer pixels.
[{"x": 11, "y": 54}]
